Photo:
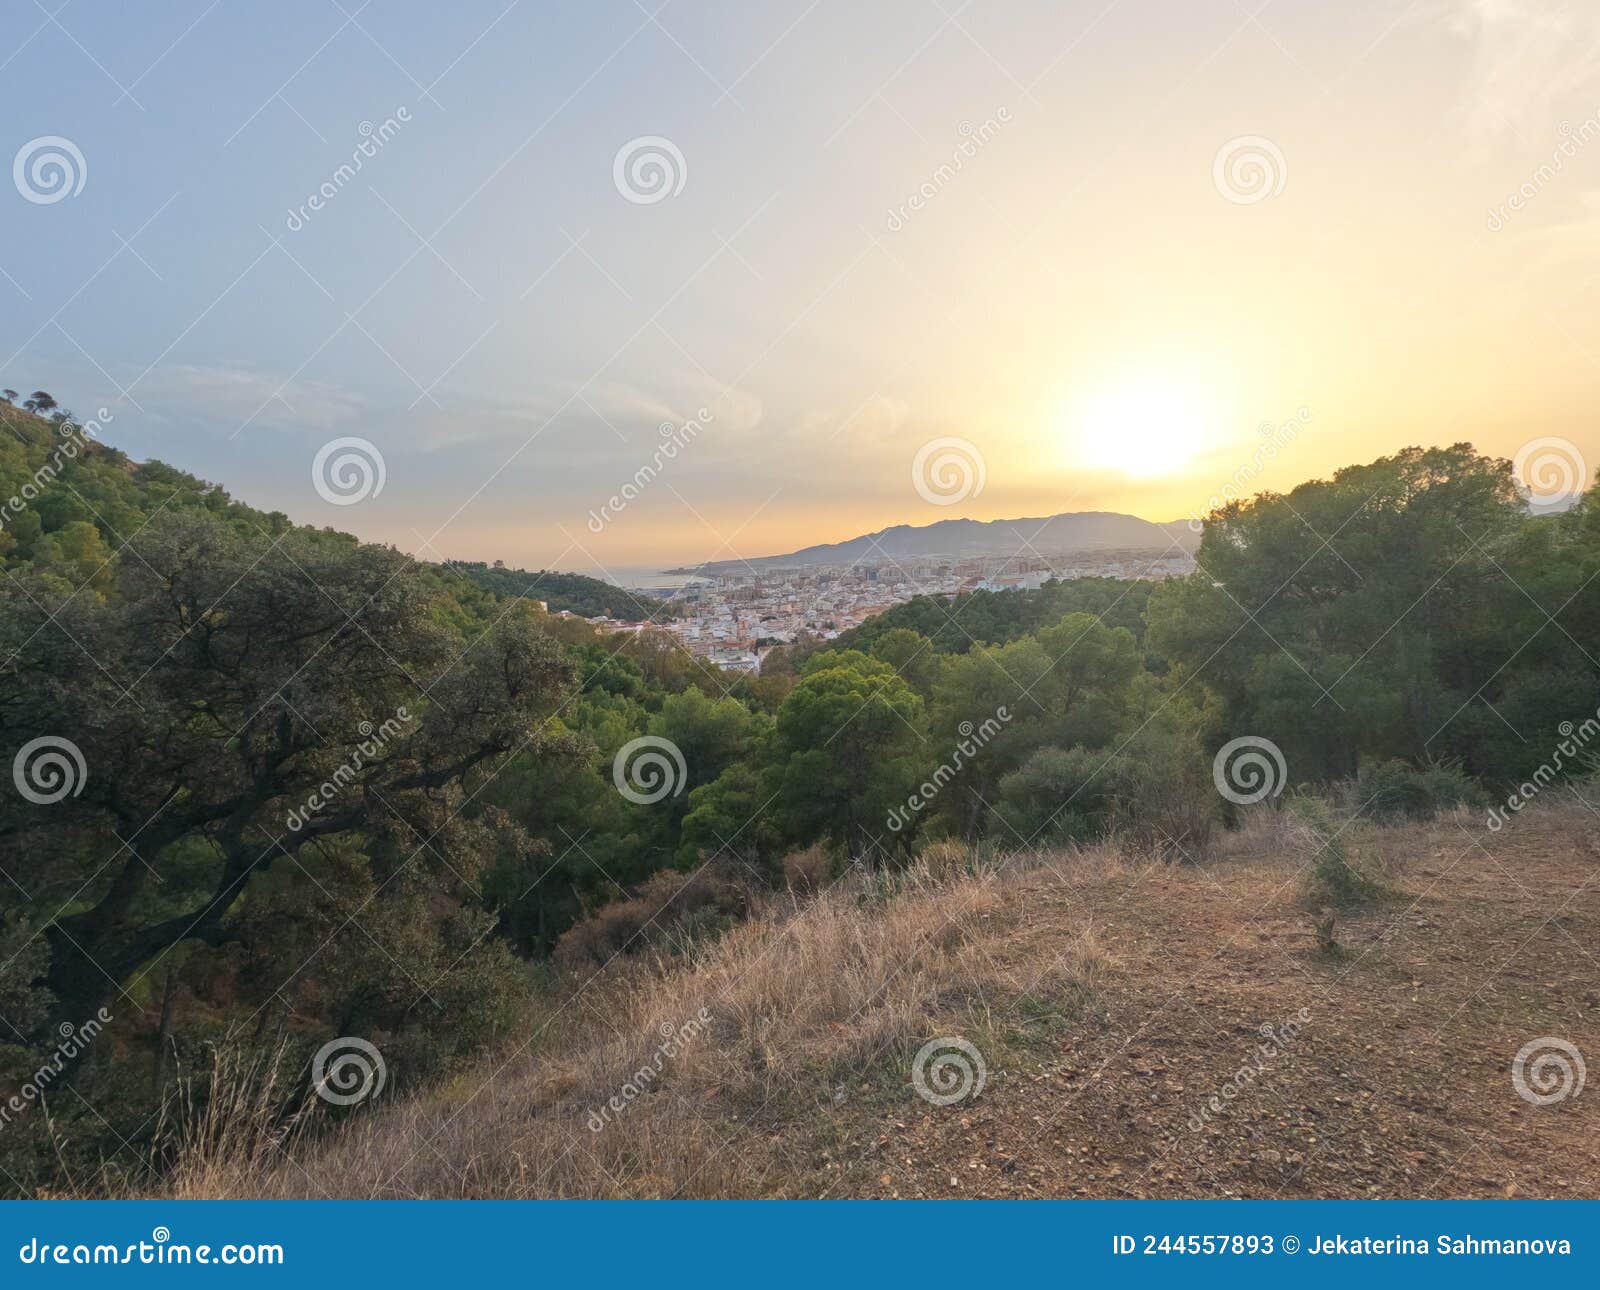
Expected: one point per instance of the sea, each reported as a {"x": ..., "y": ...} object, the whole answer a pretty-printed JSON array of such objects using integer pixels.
[{"x": 647, "y": 578}]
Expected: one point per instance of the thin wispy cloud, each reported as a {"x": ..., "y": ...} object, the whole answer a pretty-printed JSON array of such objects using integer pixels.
[
  {"x": 1534, "y": 62},
  {"x": 229, "y": 397}
]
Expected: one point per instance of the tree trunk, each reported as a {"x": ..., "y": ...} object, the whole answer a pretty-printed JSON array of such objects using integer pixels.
[{"x": 169, "y": 1000}]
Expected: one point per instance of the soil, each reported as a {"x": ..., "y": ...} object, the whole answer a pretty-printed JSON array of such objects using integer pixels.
[{"x": 1395, "y": 1081}]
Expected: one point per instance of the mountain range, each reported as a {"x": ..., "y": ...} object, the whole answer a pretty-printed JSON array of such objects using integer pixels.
[{"x": 1047, "y": 536}]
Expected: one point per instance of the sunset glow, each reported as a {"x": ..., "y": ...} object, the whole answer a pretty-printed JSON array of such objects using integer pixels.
[
  {"x": 1144, "y": 426},
  {"x": 1104, "y": 248}
]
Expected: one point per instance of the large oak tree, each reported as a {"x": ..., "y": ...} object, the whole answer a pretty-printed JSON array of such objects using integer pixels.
[{"x": 237, "y": 697}]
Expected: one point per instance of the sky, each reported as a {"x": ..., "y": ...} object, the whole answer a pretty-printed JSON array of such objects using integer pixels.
[{"x": 633, "y": 284}]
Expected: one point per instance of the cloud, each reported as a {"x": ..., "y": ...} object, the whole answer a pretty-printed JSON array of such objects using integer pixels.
[
  {"x": 1535, "y": 61},
  {"x": 733, "y": 411},
  {"x": 612, "y": 409},
  {"x": 877, "y": 420},
  {"x": 231, "y": 397},
  {"x": 224, "y": 399}
]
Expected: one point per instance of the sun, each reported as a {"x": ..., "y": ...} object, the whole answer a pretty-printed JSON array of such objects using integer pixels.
[{"x": 1143, "y": 425}]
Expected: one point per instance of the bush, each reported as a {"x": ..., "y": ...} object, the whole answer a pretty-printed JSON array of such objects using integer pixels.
[
  {"x": 1058, "y": 795},
  {"x": 1166, "y": 801},
  {"x": 666, "y": 902},
  {"x": 1333, "y": 879},
  {"x": 1156, "y": 794},
  {"x": 1396, "y": 790},
  {"x": 807, "y": 872}
]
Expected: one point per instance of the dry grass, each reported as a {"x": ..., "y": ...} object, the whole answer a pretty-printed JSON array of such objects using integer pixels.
[
  {"x": 235, "y": 1109},
  {"x": 809, "y": 871},
  {"x": 1107, "y": 993},
  {"x": 1266, "y": 830},
  {"x": 622, "y": 1092}
]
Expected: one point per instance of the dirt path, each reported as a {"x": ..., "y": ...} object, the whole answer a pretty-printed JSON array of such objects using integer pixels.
[{"x": 1395, "y": 1080}]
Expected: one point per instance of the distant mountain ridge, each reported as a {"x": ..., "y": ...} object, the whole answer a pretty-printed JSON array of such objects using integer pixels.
[{"x": 1050, "y": 535}]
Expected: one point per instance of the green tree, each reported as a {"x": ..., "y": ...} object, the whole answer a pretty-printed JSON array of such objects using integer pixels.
[
  {"x": 1067, "y": 685},
  {"x": 912, "y": 655},
  {"x": 236, "y": 702},
  {"x": 1366, "y": 616},
  {"x": 711, "y": 734},
  {"x": 846, "y": 740},
  {"x": 731, "y": 816}
]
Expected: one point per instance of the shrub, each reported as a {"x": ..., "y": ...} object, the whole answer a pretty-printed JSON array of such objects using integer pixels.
[
  {"x": 1058, "y": 795},
  {"x": 1166, "y": 802},
  {"x": 807, "y": 872},
  {"x": 1396, "y": 790},
  {"x": 1333, "y": 878},
  {"x": 666, "y": 902}
]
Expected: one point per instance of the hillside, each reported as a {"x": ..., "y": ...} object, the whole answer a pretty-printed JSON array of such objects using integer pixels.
[
  {"x": 574, "y": 592},
  {"x": 954, "y": 625},
  {"x": 1108, "y": 999},
  {"x": 971, "y": 539},
  {"x": 106, "y": 497}
]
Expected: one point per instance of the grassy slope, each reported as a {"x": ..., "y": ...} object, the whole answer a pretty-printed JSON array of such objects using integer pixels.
[{"x": 1110, "y": 1000}]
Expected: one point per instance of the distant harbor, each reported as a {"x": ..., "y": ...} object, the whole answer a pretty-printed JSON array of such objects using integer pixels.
[
  {"x": 733, "y": 618},
  {"x": 651, "y": 579}
]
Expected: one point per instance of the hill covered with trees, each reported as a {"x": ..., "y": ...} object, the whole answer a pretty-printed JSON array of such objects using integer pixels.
[
  {"x": 276, "y": 786},
  {"x": 954, "y": 624},
  {"x": 573, "y": 592}
]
